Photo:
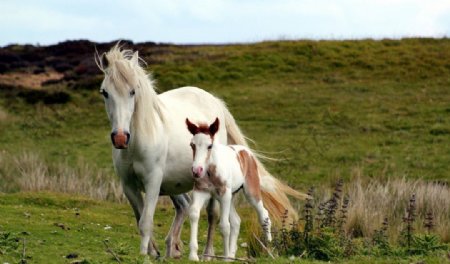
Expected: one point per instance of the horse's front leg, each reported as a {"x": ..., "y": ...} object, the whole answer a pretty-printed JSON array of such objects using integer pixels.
[
  {"x": 198, "y": 200},
  {"x": 152, "y": 187},
  {"x": 134, "y": 196},
  {"x": 212, "y": 221},
  {"x": 173, "y": 241}
]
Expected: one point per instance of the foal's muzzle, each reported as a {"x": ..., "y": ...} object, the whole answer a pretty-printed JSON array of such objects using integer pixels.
[
  {"x": 197, "y": 171},
  {"x": 120, "y": 139}
]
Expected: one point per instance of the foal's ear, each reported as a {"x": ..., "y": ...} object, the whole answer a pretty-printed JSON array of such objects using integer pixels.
[
  {"x": 214, "y": 127},
  {"x": 191, "y": 127}
]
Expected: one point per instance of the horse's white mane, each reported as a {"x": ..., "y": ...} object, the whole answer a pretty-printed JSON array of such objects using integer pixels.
[{"x": 125, "y": 73}]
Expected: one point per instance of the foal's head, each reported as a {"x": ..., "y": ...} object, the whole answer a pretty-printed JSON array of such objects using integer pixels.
[{"x": 202, "y": 144}]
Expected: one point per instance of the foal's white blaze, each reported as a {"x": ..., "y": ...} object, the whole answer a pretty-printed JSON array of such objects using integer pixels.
[{"x": 201, "y": 145}]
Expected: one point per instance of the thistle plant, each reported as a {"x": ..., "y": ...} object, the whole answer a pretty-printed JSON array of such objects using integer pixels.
[{"x": 408, "y": 220}]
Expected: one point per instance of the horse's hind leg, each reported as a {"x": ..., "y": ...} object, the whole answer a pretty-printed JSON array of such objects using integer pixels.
[
  {"x": 173, "y": 241},
  {"x": 212, "y": 221}
]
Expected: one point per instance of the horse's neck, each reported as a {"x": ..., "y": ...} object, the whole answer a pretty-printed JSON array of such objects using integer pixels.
[{"x": 148, "y": 118}]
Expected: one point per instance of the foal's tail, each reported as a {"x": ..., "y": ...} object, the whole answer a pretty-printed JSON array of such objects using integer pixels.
[{"x": 274, "y": 192}]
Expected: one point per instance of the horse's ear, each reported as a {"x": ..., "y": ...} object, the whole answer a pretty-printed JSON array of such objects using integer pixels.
[
  {"x": 191, "y": 127},
  {"x": 104, "y": 61},
  {"x": 135, "y": 58},
  {"x": 214, "y": 127}
]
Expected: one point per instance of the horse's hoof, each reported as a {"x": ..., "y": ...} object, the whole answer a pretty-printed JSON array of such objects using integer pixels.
[
  {"x": 207, "y": 254},
  {"x": 154, "y": 253},
  {"x": 153, "y": 250},
  {"x": 176, "y": 254}
]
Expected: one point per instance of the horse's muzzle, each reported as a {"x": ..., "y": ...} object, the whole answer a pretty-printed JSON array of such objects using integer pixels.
[{"x": 120, "y": 139}]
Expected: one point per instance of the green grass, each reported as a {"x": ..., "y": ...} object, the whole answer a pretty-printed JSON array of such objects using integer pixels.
[
  {"x": 323, "y": 107},
  {"x": 55, "y": 226}
]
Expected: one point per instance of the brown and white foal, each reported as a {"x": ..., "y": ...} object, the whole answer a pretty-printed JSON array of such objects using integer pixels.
[{"x": 220, "y": 171}]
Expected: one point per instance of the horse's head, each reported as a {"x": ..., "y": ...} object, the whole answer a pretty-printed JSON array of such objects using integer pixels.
[
  {"x": 118, "y": 89},
  {"x": 202, "y": 144}
]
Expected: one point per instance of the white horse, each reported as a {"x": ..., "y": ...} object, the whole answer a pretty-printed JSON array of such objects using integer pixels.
[
  {"x": 220, "y": 171},
  {"x": 151, "y": 152}
]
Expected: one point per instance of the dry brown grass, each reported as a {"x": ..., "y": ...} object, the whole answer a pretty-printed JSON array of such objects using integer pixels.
[
  {"x": 28, "y": 80},
  {"x": 373, "y": 200},
  {"x": 3, "y": 115},
  {"x": 28, "y": 172},
  {"x": 370, "y": 200}
]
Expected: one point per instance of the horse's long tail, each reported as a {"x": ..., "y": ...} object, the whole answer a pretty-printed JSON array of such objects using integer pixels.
[
  {"x": 274, "y": 192},
  {"x": 275, "y": 196}
]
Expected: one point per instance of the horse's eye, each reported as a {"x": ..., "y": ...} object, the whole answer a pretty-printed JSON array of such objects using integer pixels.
[
  {"x": 192, "y": 145},
  {"x": 104, "y": 93},
  {"x": 132, "y": 92},
  {"x": 210, "y": 146}
]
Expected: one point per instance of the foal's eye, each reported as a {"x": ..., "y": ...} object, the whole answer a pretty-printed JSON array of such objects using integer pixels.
[
  {"x": 192, "y": 145},
  {"x": 104, "y": 93},
  {"x": 132, "y": 92},
  {"x": 210, "y": 146}
]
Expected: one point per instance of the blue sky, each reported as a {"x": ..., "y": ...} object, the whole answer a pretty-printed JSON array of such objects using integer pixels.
[{"x": 219, "y": 21}]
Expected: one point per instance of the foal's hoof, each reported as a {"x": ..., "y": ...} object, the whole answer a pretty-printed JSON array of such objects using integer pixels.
[{"x": 193, "y": 257}]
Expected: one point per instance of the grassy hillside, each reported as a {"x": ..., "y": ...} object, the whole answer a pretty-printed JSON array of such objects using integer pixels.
[{"x": 323, "y": 107}]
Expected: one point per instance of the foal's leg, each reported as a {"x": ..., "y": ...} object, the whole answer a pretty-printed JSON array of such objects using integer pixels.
[
  {"x": 263, "y": 215},
  {"x": 225, "y": 204},
  {"x": 198, "y": 200},
  {"x": 235, "y": 223},
  {"x": 212, "y": 221},
  {"x": 173, "y": 241}
]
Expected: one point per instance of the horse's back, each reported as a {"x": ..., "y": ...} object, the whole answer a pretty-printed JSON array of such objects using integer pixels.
[
  {"x": 193, "y": 103},
  {"x": 190, "y": 95}
]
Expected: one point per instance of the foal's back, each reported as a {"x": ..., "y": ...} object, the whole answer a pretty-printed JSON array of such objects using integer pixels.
[{"x": 237, "y": 164}]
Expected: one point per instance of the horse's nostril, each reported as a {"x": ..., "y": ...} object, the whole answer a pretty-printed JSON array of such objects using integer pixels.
[
  {"x": 128, "y": 137},
  {"x": 113, "y": 134}
]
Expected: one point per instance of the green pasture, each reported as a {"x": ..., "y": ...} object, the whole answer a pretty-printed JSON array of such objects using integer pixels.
[
  {"x": 321, "y": 107},
  {"x": 54, "y": 228},
  {"x": 324, "y": 109}
]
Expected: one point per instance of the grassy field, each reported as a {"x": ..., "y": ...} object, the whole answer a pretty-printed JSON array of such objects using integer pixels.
[
  {"x": 322, "y": 107},
  {"x": 55, "y": 228},
  {"x": 326, "y": 109}
]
